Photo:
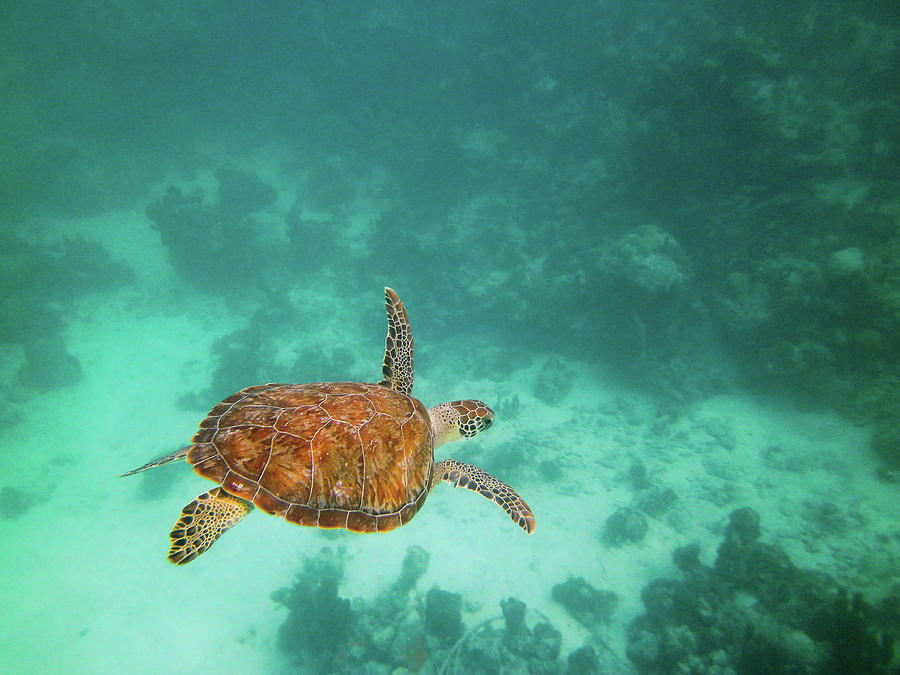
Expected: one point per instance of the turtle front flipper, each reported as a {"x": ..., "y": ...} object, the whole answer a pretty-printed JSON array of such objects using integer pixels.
[
  {"x": 203, "y": 521},
  {"x": 459, "y": 474},
  {"x": 398, "y": 346}
]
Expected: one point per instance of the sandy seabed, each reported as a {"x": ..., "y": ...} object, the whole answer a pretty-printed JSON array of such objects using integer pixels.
[{"x": 88, "y": 588}]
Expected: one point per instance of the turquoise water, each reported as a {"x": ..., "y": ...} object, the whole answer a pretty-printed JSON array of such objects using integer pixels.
[{"x": 659, "y": 239}]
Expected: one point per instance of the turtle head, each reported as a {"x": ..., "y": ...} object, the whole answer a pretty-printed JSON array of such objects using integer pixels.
[{"x": 457, "y": 420}]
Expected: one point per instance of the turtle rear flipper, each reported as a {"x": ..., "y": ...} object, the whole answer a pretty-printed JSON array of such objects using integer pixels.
[
  {"x": 203, "y": 521},
  {"x": 460, "y": 474},
  {"x": 171, "y": 457}
]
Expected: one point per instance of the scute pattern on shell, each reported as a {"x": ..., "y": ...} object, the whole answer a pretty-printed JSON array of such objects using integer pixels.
[{"x": 332, "y": 454}]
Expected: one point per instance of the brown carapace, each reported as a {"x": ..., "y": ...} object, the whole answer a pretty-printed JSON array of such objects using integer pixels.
[{"x": 333, "y": 455}]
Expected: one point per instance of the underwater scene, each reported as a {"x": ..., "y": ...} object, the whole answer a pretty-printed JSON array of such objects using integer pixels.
[{"x": 625, "y": 273}]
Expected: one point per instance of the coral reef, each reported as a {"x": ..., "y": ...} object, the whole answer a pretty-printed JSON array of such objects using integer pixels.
[
  {"x": 239, "y": 359},
  {"x": 655, "y": 502},
  {"x": 550, "y": 470},
  {"x": 583, "y": 661},
  {"x": 753, "y": 611},
  {"x": 242, "y": 192},
  {"x": 216, "y": 246},
  {"x": 245, "y": 355},
  {"x": 759, "y": 143},
  {"x": 39, "y": 284},
  {"x": 329, "y": 186},
  {"x": 315, "y": 241},
  {"x": 554, "y": 382},
  {"x": 58, "y": 272},
  {"x": 403, "y": 630},
  {"x": 624, "y": 526},
  {"x": 488, "y": 649},
  {"x": 15, "y": 503},
  {"x": 49, "y": 365},
  {"x": 315, "y": 364},
  {"x": 637, "y": 474},
  {"x": 319, "y": 621},
  {"x": 646, "y": 262},
  {"x": 507, "y": 408},
  {"x": 443, "y": 615},
  {"x": 329, "y": 634},
  {"x": 587, "y": 604}
]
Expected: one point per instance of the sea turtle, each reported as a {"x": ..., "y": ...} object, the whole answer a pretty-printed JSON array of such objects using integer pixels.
[{"x": 331, "y": 454}]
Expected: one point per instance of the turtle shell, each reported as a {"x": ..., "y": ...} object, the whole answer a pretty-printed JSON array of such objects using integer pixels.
[{"x": 331, "y": 455}]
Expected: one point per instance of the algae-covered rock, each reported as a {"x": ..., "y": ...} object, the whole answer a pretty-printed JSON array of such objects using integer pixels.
[
  {"x": 583, "y": 661},
  {"x": 443, "y": 615},
  {"x": 754, "y": 611},
  {"x": 588, "y": 605},
  {"x": 15, "y": 503},
  {"x": 49, "y": 365},
  {"x": 513, "y": 614},
  {"x": 657, "y": 501},
  {"x": 415, "y": 564},
  {"x": 554, "y": 382},
  {"x": 624, "y": 526},
  {"x": 319, "y": 620},
  {"x": 216, "y": 246},
  {"x": 648, "y": 261}
]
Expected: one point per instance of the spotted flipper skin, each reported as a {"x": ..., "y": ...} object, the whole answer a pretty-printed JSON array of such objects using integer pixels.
[
  {"x": 398, "y": 346},
  {"x": 203, "y": 521},
  {"x": 459, "y": 474}
]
